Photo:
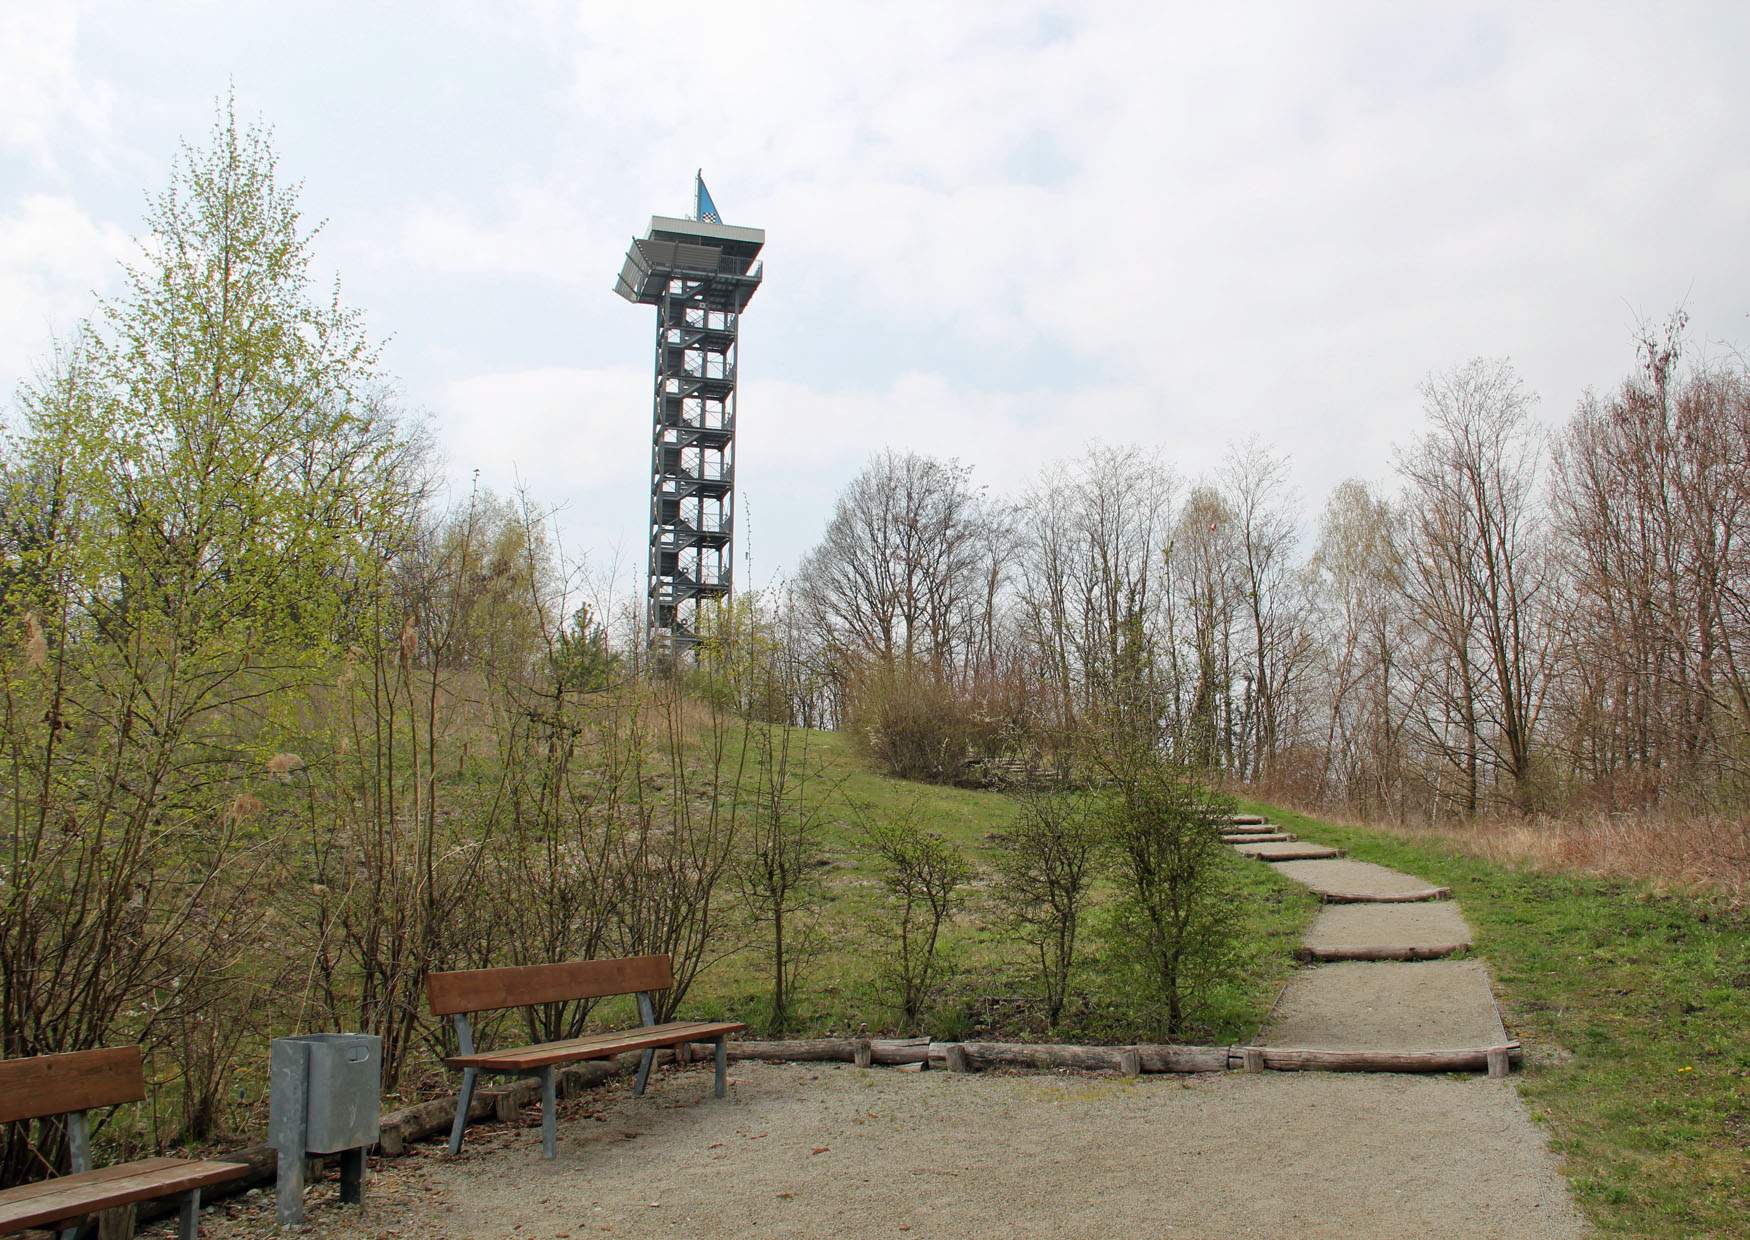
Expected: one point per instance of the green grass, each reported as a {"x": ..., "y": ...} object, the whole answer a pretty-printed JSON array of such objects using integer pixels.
[
  {"x": 988, "y": 988},
  {"x": 1634, "y": 1010}
]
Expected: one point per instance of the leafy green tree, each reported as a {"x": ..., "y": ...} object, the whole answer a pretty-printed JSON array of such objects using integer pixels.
[{"x": 205, "y": 489}]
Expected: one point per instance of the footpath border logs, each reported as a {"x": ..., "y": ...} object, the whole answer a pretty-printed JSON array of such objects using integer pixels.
[
  {"x": 1049, "y": 1057},
  {"x": 1471, "y": 1059},
  {"x": 405, "y": 1125}
]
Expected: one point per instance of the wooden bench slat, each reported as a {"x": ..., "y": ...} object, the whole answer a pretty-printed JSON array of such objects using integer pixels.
[
  {"x": 74, "y": 1081},
  {"x": 38, "y": 1187},
  {"x": 488, "y": 990},
  {"x": 596, "y": 1045},
  {"x": 72, "y": 1196}
]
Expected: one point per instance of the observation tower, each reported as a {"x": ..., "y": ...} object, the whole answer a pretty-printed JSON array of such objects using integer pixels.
[{"x": 699, "y": 273}]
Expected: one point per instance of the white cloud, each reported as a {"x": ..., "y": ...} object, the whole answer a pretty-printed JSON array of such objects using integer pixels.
[
  {"x": 53, "y": 259},
  {"x": 1000, "y": 230},
  {"x": 47, "y": 107}
]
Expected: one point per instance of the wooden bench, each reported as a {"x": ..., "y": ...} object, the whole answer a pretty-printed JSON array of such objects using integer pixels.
[
  {"x": 70, "y": 1085},
  {"x": 488, "y": 990}
]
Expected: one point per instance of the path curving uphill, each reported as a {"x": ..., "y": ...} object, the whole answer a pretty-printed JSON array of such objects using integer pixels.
[{"x": 1389, "y": 987}]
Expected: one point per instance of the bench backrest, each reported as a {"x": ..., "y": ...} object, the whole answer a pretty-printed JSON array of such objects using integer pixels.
[
  {"x": 487, "y": 990},
  {"x": 76, "y": 1081}
]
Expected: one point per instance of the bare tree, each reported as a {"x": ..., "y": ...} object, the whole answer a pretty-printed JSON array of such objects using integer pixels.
[{"x": 1478, "y": 564}]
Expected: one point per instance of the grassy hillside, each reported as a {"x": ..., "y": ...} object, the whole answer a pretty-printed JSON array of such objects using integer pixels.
[
  {"x": 1633, "y": 1006},
  {"x": 988, "y": 990}
]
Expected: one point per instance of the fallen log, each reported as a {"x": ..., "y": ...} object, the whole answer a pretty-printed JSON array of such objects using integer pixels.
[
  {"x": 1359, "y": 952},
  {"x": 1473, "y": 1059},
  {"x": 1364, "y": 897}
]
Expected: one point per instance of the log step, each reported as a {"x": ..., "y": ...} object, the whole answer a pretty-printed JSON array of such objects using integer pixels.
[
  {"x": 1247, "y": 820},
  {"x": 1300, "y": 852},
  {"x": 1269, "y": 837},
  {"x": 1365, "y": 952},
  {"x": 1254, "y": 828},
  {"x": 1367, "y": 897}
]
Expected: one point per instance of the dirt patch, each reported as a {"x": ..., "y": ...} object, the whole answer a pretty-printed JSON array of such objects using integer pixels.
[
  {"x": 836, "y": 1151},
  {"x": 1388, "y": 925},
  {"x": 1436, "y": 1005}
]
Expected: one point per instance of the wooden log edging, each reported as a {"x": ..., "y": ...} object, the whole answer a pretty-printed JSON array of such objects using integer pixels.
[
  {"x": 1434, "y": 951},
  {"x": 891, "y": 1052},
  {"x": 1292, "y": 1059},
  {"x": 1051, "y": 1057}
]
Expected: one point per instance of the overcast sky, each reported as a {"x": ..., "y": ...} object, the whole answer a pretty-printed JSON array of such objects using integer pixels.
[{"x": 995, "y": 231}]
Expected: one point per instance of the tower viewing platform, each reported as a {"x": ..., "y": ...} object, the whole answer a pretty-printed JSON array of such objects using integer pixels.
[{"x": 699, "y": 273}]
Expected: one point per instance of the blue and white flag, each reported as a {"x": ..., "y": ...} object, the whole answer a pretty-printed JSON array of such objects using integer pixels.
[{"x": 704, "y": 210}]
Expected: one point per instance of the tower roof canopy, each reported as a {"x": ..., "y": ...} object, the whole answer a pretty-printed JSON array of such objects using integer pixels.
[{"x": 720, "y": 254}]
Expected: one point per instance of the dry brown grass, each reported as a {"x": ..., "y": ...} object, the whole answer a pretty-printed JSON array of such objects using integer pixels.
[{"x": 1675, "y": 851}]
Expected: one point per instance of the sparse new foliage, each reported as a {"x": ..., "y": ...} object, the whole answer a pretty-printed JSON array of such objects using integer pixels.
[
  {"x": 924, "y": 876},
  {"x": 1046, "y": 864}
]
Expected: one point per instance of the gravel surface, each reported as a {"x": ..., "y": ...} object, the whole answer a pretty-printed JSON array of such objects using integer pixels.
[
  {"x": 1425, "y": 1006},
  {"x": 1388, "y": 925},
  {"x": 836, "y": 1152},
  {"x": 1283, "y": 849},
  {"x": 1359, "y": 877}
]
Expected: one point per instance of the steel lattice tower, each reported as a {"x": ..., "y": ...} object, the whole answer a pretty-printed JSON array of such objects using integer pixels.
[{"x": 699, "y": 273}]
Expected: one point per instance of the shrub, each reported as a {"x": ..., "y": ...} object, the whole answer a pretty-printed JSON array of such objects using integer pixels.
[
  {"x": 912, "y": 723},
  {"x": 1045, "y": 868},
  {"x": 1175, "y": 911},
  {"x": 923, "y": 874}
]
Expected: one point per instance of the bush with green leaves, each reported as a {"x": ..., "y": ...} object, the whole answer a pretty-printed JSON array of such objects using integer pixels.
[{"x": 1173, "y": 921}]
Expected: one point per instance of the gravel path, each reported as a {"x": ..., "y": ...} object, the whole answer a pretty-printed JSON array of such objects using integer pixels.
[
  {"x": 1388, "y": 925},
  {"x": 837, "y": 1152},
  {"x": 1299, "y": 848},
  {"x": 1429, "y": 1006},
  {"x": 1344, "y": 876}
]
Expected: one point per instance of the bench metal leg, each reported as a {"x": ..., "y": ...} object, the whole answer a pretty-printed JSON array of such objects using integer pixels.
[
  {"x": 644, "y": 1063},
  {"x": 462, "y": 1101},
  {"x": 549, "y": 1111},
  {"x": 722, "y": 1066},
  {"x": 188, "y": 1218}
]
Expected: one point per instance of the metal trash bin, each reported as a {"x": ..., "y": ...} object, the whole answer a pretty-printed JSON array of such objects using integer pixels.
[{"x": 323, "y": 1097}]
